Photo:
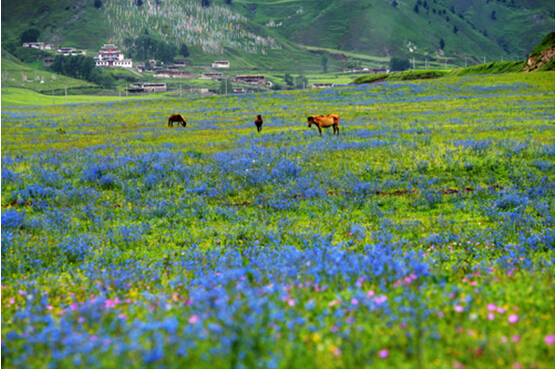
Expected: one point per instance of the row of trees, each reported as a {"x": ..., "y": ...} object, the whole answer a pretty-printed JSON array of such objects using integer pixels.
[
  {"x": 83, "y": 68},
  {"x": 147, "y": 47}
]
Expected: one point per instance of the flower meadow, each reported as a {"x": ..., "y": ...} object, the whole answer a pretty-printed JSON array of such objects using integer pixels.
[{"x": 421, "y": 236}]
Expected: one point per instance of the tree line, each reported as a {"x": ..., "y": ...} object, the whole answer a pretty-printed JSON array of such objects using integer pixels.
[
  {"x": 146, "y": 47},
  {"x": 82, "y": 67}
]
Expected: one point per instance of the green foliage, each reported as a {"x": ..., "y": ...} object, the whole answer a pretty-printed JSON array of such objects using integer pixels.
[
  {"x": 399, "y": 64},
  {"x": 324, "y": 63},
  {"x": 226, "y": 86},
  {"x": 301, "y": 82},
  {"x": 30, "y": 35},
  {"x": 288, "y": 79},
  {"x": 184, "y": 50},
  {"x": 76, "y": 66},
  {"x": 146, "y": 47},
  {"x": 101, "y": 78}
]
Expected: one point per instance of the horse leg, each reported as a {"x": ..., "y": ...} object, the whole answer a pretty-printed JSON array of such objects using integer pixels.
[{"x": 320, "y": 130}]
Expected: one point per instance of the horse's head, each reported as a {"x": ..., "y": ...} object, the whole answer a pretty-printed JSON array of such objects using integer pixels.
[{"x": 311, "y": 120}]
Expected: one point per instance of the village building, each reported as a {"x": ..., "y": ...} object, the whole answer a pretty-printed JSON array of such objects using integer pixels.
[
  {"x": 47, "y": 62},
  {"x": 64, "y": 50},
  {"x": 110, "y": 56},
  {"x": 203, "y": 91},
  {"x": 147, "y": 87},
  {"x": 251, "y": 79},
  {"x": 38, "y": 45},
  {"x": 377, "y": 71},
  {"x": 322, "y": 86},
  {"x": 217, "y": 76},
  {"x": 221, "y": 64},
  {"x": 154, "y": 87}
]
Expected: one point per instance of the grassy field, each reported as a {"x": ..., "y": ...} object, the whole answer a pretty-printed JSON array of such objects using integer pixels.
[{"x": 420, "y": 237}]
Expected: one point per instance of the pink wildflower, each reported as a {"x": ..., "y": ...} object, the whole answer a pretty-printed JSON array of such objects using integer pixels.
[
  {"x": 549, "y": 339},
  {"x": 513, "y": 318},
  {"x": 458, "y": 308},
  {"x": 383, "y": 353},
  {"x": 193, "y": 319}
]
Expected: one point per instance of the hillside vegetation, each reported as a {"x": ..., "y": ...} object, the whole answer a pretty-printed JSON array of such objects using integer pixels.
[
  {"x": 541, "y": 59},
  {"x": 448, "y": 30}
]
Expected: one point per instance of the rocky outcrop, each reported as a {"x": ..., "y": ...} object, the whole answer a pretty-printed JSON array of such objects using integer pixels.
[
  {"x": 540, "y": 61},
  {"x": 542, "y": 57}
]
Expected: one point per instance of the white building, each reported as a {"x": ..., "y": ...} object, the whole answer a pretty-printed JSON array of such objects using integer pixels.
[
  {"x": 221, "y": 64},
  {"x": 38, "y": 45},
  {"x": 110, "y": 56}
]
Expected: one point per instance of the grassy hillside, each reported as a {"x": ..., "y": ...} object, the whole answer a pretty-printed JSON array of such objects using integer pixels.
[
  {"x": 265, "y": 34},
  {"x": 18, "y": 74},
  {"x": 74, "y": 23},
  {"x": 541, "y": 59},
  {"x": 379, "y": 28}
]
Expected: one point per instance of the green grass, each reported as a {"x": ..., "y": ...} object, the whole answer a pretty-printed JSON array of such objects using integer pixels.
[
  {"x": 12, "y": 96},
  {"x": 215, "y": 245}
]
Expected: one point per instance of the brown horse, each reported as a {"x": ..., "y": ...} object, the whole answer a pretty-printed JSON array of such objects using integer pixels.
[
  {"x": 259, "y": 123},
  {"x": 325, "y": 121},
  {"x": 176, "y": 118}
]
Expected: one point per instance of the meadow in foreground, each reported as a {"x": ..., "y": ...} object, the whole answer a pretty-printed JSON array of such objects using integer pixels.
[{"x": 421, "y": 236}]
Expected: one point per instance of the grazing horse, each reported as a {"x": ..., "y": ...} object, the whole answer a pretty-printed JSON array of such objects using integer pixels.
[
  {"x": 325, "y": 121},
  {"x": 176, "y": 118},
  {"x": 259, "y": 123}
]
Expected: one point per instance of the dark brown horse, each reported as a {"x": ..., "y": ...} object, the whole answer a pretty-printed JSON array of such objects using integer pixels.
[
  {"x": 259, "y": 123},
  {"x": 325, "y": 121},
  {"x": 176, "y": 118}
]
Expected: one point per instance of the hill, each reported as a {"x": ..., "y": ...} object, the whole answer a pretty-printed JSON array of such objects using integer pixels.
[
  {"x": 541, "y": 59},
  {"x": 18, "y": 74},
  {"x": 268, "y": 33}
]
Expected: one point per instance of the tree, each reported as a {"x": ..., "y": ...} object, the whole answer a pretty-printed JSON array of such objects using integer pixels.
[
  {"x": 416, "y": 8},
  {"x": 30, "y": 35},
  {"x": 101, "y": 78},
  {"x": 442, "y": 44},
  {"x": 288, "y": 79},
  {"x": 455, "y": 30},
  {"x": 493, "y": 15},
  {"x": 228, "y": 2},
  {"x": 301, "y": 82},
  {"x": 139, "y": 2},
  {"x": 205, "y": 3},
  {"x": 324, "y": 63},
  {"x": 394, "y": 3},
  {"x": 98, "y": 4},
  {"x": 226, "y": 86},
  {"x": 78, "y": 66},
  {"x": 399, "y": 64},
  {"x": 184, "y": 51}
]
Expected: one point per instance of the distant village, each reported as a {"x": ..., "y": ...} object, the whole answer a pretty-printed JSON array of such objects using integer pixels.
[{"x": 110, "y": 56}]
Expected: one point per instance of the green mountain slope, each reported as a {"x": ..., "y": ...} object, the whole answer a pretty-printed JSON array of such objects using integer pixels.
[
  {"x": 492, "y": 29},
  {"x": 272, "y": 31}
]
